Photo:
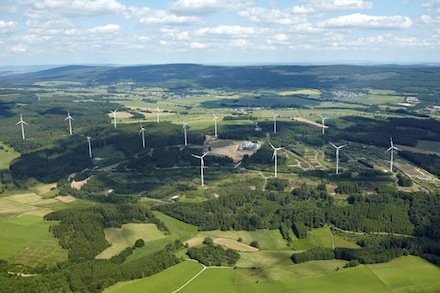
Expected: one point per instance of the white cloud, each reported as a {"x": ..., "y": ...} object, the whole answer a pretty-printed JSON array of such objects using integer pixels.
[
  {"x": 18, "y": 49},
  {"x": 163, "y": 17},
  {"x": 241, "y": 43},
  {"x": 433, "y": 5},
  {"x": 367, "y": 21},
  {"x": 280, "y": 37},
  {"x": 233, "y": 30},
  {"x": 7, "y": 26},
  {"x": 330, "y": 5},
  {"x": 105, "y": 29},
  {"x": 63, "y": 8},
  {"x": 197, "y": 45},
  {"x": 294, "y": 15},
  {"x": 202, "y": 7}
]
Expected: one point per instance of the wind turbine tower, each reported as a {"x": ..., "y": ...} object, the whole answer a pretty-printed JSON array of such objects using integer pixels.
[
  {"x": 202, "y": 166},
  {"x": 114, "y": 116},
  {"x": 337, "y": 155},
  {"x": 391, "y": 150},
  {"x": 157, "y": 114},
  {"x": 69, "y": 118},
  {"x": 323, "y": 123},
  {"x": 215, "y": 118},
  {"x": 184, "y": 132},
  {"x": 274, "y": 157},
  {"x": 22, "y": 123},
  {"x": 90, "y": 146},
  {"x": 142, "y": 131},
  {"x": 275, "y": 122}
]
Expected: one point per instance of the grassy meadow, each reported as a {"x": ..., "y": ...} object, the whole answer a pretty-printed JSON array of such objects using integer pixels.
[
  {"x": 7, "y": 155},
  {"x": 404, "y": 274}
]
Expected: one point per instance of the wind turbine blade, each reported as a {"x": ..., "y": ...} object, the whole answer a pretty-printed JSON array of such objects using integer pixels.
[
  {"x": 274, "y": 154},
  {"x": 333, "y": 145},
  {"x": 272, "y": 145},
  {"x": 204, "y": 155}
]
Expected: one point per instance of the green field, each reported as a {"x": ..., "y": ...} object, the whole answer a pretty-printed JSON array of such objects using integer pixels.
[
  {"x": 267, "y": 239},
  {"x": 26, "y": 240},
  {"x": 126, "y": 236},
  {"x": 427, "y": 145},
  {"x": 322, "y": 237},
  {"x": 7, "y": 154},
  {"x": 405, "y": 274}
]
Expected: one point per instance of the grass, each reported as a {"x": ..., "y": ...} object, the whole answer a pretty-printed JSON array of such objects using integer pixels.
[
  {"x": 126, "y": 236},
  {"x": 178, "y": 230},
  {"x": 408, "y": 274},
  {"x": 433, "y": 146},
  {"x": 26, "y": 240},
  {"x": 322, "y": 237},
  {"x": 166, "y": 281},
  {"x": 404, "y": 274},
  {"x": 267, "y": 239},
  {"x": 7, "y": 155}
]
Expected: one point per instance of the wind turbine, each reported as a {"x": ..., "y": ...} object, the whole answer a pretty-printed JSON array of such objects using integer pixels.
[
  {"x": 157, "y": 114},
  {"x": 114, "y": 115},
  {"x": 184, "y": 132},
  {"x": 337, "y": 155},
  {"x": 323, "y": 122},
  {"x": 392, "y": 148},
  {"x": 202, "y": 165},
  {"x": 69, "y": 118},
  {"x": 22, "y": 125},
  {"x": 215, "y": 118},
  {"x": 142, "y": 131},
  {"x": 90, "y": 145},
  {"x": 275, "y": 122},
  {"x": 274, "y": 156}
]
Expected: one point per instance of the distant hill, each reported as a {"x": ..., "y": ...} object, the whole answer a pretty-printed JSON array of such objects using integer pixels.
[{"x": 177, "y": 76}]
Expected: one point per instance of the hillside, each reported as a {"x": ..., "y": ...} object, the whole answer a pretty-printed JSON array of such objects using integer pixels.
[{"x": 177, "y": 76}]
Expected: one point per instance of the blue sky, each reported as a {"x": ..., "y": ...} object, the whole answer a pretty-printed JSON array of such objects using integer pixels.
[{"x": 219, "y": 31}]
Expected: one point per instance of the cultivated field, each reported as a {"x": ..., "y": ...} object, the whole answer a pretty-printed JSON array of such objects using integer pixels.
[
  {"x": 405, "y": 274},
  {"x": 126, "y": 236}
]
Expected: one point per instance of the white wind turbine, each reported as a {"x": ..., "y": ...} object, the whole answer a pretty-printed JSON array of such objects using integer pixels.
[
  {"x": 337, "y": 155},
  {"x": 142, "y": 131},
  {"x": 90, "y": 145},
  {"x": 184, "y": 132},
  {"x": 202, "y": 165},
  {"x": 215, "y": 118},
  {"x": 114, "y": 116},
  {"x": 275, "y": 122},
  {"x": 392, "y": 148},
  {"x": 157, "y": 114},
  {"x": 22, "y": 125},
  {"x": 323, "y": 122},
  {"x": 274, "y": 156},
  {"x": 69, "y": 118}
]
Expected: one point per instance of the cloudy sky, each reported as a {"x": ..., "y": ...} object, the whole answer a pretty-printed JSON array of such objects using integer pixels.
[{"x": 218, "y": 31}]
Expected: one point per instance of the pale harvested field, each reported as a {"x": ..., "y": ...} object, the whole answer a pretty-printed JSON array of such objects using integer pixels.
[
  {"x": 232, "y": 152},
  {"x": 45, "y": 188},
  {"x": 66, "y": 199},
  {"x": 304, "y": 120},
  {"x": 122, "y": 115},
  {"x": 234, "y": 244},
  {"x": 416, "y": 150},
  {"x": 31, "y": 198}
]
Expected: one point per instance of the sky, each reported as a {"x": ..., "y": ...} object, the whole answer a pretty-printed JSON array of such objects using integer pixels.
[{"x": 219, "y": 31}]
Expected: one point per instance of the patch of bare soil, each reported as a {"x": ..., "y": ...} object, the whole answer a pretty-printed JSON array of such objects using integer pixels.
[
  {"x": 232, "y": 152},
  {"x": 304, "y": 120},
  {"x": 79, "y": 184}
]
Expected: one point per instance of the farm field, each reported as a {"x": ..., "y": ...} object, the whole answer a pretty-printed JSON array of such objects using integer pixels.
[
  {"x": 404, "y": 274},
  {"x": 26, "y": 240},
  {"x": 7, "y": 155},
  {"x": 126, "y": 236}
]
